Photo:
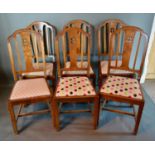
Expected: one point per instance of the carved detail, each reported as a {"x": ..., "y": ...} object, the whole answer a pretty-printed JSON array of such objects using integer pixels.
[
  {"x": 72, "y": 40},
  {"x": 129, "y": 39},
  {"x": 112, "y": 30}
]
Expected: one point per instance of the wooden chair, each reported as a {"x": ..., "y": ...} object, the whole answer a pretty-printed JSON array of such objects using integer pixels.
[
  {"x": 23, "y": 61},
  {"x": 120, "y": 88},
  {"x": 85, "y": 26},
  {"x": 48, "y": 33},
  {"x": 73, "y": 88},
  {"x": 103, "y": 35}
]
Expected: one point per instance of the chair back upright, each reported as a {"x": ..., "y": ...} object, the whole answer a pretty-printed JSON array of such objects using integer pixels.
[
  {"x": 128, "y": 44},
  {"x": 48, "y": 33},
  {"x": 103, "y": 36},
  {"x": 75, "y": 54},
  {"x": 85, "y": 26},
  {"x": 25, "y": 51}
]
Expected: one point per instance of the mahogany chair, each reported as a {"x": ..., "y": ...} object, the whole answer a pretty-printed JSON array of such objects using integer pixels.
[
  {"x": 48, "y": 33},
  {"x": 87, "y": 27},
  {"x": 24, "y": 61},
  {"x": 103, "y": 35},
  {"x": 120, "y": 88},
  {"x": 73, "y": 89}
]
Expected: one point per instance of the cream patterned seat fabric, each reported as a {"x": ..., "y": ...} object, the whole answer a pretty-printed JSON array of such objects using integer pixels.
[
  {"x": 74, "y": 86},
  {"x": 122, "y": 86},
  {"x": 77, "y": 72},
  {"x": 30, "y": 88},
  {"x": 49, "y": 70},
  {"x": 104, "y": 68}
]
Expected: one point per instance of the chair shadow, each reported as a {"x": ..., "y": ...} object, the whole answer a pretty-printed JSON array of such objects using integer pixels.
[{"x": 65, "y": 122}]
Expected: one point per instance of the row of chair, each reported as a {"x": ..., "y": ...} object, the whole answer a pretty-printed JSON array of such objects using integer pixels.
[{"x": 37, "y": 53}]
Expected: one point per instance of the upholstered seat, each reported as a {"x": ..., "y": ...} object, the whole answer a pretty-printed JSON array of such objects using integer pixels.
[
  {"x": 85, "y": 64},
  {"x": 30, "y": 88},
  {"x": 74, "y": 86},
  {"x": 104, "y": 68},
  {"x": 122, "y": 86},
  {"x": 49, "y": 70}
]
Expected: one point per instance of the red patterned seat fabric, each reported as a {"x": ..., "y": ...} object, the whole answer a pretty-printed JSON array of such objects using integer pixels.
[
  {"x": 74, "y": 86},
  {"x": 122, "y": 86}
]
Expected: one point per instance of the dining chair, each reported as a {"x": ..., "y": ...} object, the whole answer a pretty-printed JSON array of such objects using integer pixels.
[
  {"x": 130, "y": 43},
  {"x": 24, "y": 60},
  {"x": 103, "y": 35},
  {"x": 48, "y": 33},
  {"x": 73, "y": 88},
  {"x": 87, "y": 27}
]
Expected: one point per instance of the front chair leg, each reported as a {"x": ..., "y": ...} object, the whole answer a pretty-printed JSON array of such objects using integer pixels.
[
  {"x": 96, "y": 112},
  {"x": 13, "y": 118},
  {"x": 94, "y": 81},
  {"x": 139, "y": 115},
  {"x": 55, "y": 113}
]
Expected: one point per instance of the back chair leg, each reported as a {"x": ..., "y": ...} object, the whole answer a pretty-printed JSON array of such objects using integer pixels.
[
  {"x": 13, "y": 118},
  {"x": 139, "y": 115},
  {"x": 55, "y": 113},
  {"x": 96, "y": 112},
  {"x": 94, "y": 81},
  {"x": 100, "y": 81}
]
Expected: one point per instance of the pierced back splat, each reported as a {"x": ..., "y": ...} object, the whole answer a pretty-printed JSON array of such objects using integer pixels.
[
  {"x": 22, "y": 44},
  {"x": 48, "y": 33},
  {"x": 124, "y": 42},
  {"x": 104, "y": 30},
  {"x": 86, "y": 27},
  {"x": 75, "y": 55}
]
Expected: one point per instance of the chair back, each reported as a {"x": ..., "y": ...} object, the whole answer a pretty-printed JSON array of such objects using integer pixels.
[
  {"x": 25, "y": 51},
  {"x": 75, "y": 53},
  {"x": 85, "y": 26},
  {"x": 103, "y": 35},
  {"x": 48, "y": 33},
  {"x": 128, "y": 44}
]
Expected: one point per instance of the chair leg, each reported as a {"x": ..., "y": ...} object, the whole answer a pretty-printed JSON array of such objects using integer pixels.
[
  {"x": 140, "y": 110},
  {"x": 94, "y": 81},
  {"x": 96, "y": 112},
  {"x": 55, "y": 113},
  {"x": 13, "y": 118},
  {"x": 52, "y": 114},
  {"x": 53, "y": 84},
  {"x": 100, "y": 81}
]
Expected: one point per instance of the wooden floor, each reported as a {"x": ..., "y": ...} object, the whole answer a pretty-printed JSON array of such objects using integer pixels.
[{"x": 77, "y": 127}]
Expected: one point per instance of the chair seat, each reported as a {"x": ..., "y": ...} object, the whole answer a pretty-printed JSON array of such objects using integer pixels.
[
  {"x": 30, "y": 88},
  {"x": 74, "y": 86},
  {"x": 122, "y": 86},
  {"x": 85, "y": 64},
  {"x": 104, "y": 68},
  {"x": 49, "y": 70}
]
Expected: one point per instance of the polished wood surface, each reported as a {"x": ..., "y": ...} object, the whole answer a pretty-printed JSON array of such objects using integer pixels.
[
  {"x": 135, "y": 42},
  {"x": 74, "y": 52},
  {"x": 48, "y": 33},
  {"x": 84, "y": 45},
  {"x": 27, "y": 38},
  {"x": 127, "y": 34},
  {"x": 104, "y": 30},
  {"x": 21, "y": 43}
]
